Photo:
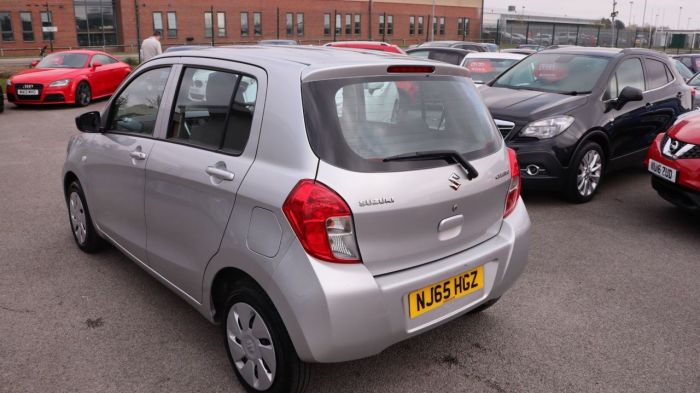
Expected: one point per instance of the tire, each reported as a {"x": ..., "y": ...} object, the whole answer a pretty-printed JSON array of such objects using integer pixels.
[
  {"x": 84, "y": 233},
  {"x": 252, "y": 328},
  {"x": 585, "y": 173},
  {"x": 484, "y": 306},
  {"x": 83, "y": 95}
]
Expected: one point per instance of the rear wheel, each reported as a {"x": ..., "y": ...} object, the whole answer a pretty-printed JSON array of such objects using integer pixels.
[
  {"x": 585, "y": 173},
  {"x": 83, "y": 95},
  {"x": 258, "y": 345}
]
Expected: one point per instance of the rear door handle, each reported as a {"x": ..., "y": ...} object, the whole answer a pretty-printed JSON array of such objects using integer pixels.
[
  {"x": 219, "y": 173},
  {"x": 137, "y": 155}
]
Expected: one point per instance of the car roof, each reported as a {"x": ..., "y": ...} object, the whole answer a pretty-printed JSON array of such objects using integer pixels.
[
  {"x": 450, "y": 42},
  {"x": 441, "y": 49},
  {"x": 307, "y": 60},
  {"x": 604, "y": 52},
  {"x": 496, "y": 55},
  {"x": 368, "y": 43}
]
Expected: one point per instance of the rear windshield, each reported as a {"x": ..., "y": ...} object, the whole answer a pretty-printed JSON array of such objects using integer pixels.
[
  {"x": 355, "y": 123},
  {"x": 484, "y": 70},
  {"x": 555, "y": 72}
]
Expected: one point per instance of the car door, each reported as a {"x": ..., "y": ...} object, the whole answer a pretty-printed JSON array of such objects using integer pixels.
[
  {"x": 196, "y": 168},
  {"x": 117, "y": 160},
  {"x": 114, "y": 73},
  {"x": 629, "y": 125},
  {"x": 662, "y": 98}
]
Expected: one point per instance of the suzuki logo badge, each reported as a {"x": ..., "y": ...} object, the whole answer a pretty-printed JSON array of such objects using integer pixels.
[{"x": 454, "y": 181}]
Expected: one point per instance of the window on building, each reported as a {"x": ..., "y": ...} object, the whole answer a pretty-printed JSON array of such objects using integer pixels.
[
  {"x": 435, "y": 25},
  {"x": 158, "y": 21},
  {"x": 442, "y": 25},
  {"x": 390, "y": 24},
  {"x": 6, "y": 27},
  {"x": 358, "y": 24},
  {"x": 338, "y": 28},
  {"x": 46, "y": 20},
  {"x": 326, "y": 24},
  {"x": 172, "y": 25},
  {"x": 381, "y": 24},
  {"x": 300, "y": 24},
  {"x": 348, "y": 24},
  {"x": 463, "y": 27},
  {"x": 411, "y": 25},
  {"x": 27, "y": 26},
  {"x": 95, "y": 22},
  {"x": 257, "y": 23},
  {"x": 208, "y": 24},
  {"x": 221, "y": 23},
  {"x": 420, "y": 25},
  {"x": 244, "y": 24},
  {"x": 289, "y": 19}
]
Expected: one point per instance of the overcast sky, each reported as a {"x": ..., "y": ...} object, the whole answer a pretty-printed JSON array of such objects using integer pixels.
[{"x": 667, "y": 10}]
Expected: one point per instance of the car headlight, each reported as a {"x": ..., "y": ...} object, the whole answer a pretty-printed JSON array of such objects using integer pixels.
[
  {"x": 60, "y": 83},
  {"x": 547, "y": 128}
]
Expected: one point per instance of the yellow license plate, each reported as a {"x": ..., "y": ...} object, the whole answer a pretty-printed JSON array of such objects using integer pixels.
[{"x": 435, "y": 295}]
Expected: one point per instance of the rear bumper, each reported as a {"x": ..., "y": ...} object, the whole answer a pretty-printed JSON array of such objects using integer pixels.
[{"x": 338, "y": 312}]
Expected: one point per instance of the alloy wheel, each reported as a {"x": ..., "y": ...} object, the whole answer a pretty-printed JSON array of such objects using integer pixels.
[
  {"x": 77, "y": 217},
  {"x": 589, "y": 171},
  {"x": 84, "y": 94},
  {"x": 251, "y": 347}
]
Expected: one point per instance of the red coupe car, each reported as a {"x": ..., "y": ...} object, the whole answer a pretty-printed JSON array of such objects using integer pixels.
[
  {"x": 674, "y": 159},
  {"x": 70, "y": 77}
]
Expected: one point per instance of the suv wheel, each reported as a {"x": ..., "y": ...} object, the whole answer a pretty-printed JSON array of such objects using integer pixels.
[
  {"x": 258, "y": 345},
  {"x": 83, "y": 230},
  {"x": 585, "y": 173}
]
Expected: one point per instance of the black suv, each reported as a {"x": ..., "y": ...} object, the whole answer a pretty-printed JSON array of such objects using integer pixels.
[{"x": 574, "y": 113}]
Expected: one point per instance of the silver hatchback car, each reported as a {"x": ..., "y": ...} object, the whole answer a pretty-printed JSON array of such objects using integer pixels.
[{"x": 320, "y": 204}]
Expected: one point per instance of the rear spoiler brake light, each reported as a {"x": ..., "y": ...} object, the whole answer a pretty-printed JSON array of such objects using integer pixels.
[{"x": 410, "y": 69}]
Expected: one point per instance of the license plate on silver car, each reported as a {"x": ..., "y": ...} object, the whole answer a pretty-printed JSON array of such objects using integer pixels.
[
  {"x": 663, "y": 171},
  {"x": 28, "y": 92}
]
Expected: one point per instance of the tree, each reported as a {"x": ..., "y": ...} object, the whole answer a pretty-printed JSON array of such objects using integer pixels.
[{"x": 619, "y": 24}]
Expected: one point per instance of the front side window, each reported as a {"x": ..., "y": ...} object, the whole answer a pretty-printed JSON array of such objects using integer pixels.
[
  {"x": 27, "y": 26},
  {"x": 135, "y": 110},
  {"x": 244, "y": 24},
  {"x": 656, "y": 74},
  {"x": 326, "y": 24},
  {"x": 628, "y": 73},
  {"x": 6, "y": 27},
  {"x": 555, "y": 72},
  {"x": 207, "y": 113},
  {"x": 102, "y": 59},
  {"x": 172, "y": 25},
  {"x": 380, "y": 117},
  {"x": 257, "y": 23}
]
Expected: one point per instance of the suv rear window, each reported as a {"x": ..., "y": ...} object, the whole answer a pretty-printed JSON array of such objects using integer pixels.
[{"x": 355, "y": 123}]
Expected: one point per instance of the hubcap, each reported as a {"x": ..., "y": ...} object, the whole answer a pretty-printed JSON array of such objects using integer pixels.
[
  {"x": 84, "y": 94},
  {"x": 250, "y": 344},
  {"x": 589, "y": 171},
  {"x": 77, "y": 217}
]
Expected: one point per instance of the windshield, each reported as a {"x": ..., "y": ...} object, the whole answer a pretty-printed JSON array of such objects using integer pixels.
[
  {"x": 356, "y": 123},
  {"x": 63, "y": 60},
  {"x": 555, "y": 72},
  {"x": 484, "y": 70}
]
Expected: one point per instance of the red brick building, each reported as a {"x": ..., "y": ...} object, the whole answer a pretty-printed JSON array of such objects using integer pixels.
[{"x": 117, "y": 25}]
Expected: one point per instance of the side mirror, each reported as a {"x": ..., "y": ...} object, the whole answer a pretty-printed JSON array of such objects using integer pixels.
[
  {"x": 89, "y": 122},
  {"x": 628, "y": 94},
  {"x": 34, "y": 63},
  {"x": 96, "y": 64}
]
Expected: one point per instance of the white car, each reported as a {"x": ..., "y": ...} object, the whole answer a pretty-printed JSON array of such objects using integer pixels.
[{"x": 485, "y": 66}]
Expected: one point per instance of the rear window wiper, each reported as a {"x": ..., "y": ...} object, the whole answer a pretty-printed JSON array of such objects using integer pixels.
[{"x": 450, "y": 156}]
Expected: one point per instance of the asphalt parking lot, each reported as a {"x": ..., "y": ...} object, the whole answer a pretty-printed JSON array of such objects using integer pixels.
[{"x": 609, "y": 302}]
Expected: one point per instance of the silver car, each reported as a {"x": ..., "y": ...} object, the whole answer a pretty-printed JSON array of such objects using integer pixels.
[{"x": 321, "y": 205}]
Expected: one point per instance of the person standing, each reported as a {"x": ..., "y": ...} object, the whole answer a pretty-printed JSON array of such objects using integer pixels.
[{"x": 151, "y": 46}]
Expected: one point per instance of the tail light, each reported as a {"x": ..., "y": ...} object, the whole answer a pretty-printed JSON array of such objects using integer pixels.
[
  {"x": 514, "y": 189},
  {"x": 693, "y": 92},
  {"x": 322, "y": 221}
]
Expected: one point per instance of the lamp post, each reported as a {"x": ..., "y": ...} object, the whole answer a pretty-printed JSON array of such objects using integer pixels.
[
  {"x": 432, "y": 23},
  {"x": 49, "y": 19},
  {"x": 629, "y": 20},
  {"x": 614, "y": 30},
  {"x": 680, "y": 11}
]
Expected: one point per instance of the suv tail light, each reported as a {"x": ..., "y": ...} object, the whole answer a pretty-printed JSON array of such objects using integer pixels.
[
  {"x": 322, "y": 221},
  {"x": 514, "y": 189}
]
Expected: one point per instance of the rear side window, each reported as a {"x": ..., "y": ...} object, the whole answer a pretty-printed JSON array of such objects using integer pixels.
[
  {"x": 656, "y": 74},
  {"x": 208, "y": 114},
  {"x": 355, "y": 123},
  {"x": 446, "y": 57},
  {"x": 135, "y": 110}
]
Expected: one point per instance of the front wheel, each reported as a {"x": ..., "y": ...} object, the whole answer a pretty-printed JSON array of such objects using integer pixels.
[
  {"x": 83, "y": 230},
  {"x": 258, "y": 345},
  {"x": 83, "y": 95},
  {"x": 585, "y": 173}
]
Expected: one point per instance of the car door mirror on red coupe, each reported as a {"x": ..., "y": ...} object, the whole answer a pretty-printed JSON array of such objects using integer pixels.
[{"x": 96, "y": 64}]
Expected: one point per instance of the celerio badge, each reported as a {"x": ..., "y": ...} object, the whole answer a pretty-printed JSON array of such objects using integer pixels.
[{"x": 454, "y": 181}]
